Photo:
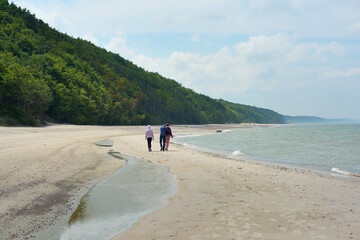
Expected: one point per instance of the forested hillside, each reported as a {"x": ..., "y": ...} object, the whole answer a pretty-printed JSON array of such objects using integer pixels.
[{"x": 45, "y": 73}]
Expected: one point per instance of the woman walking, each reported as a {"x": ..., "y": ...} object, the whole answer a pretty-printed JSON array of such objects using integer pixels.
[
  {"x": 168, "y": 134},
  {"x": 149, "y": 136}
]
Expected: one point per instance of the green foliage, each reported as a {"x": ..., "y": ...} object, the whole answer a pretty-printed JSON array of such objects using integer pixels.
[
  {"x": 21, "y": 94},
  {"x": 44, "y": 72}
]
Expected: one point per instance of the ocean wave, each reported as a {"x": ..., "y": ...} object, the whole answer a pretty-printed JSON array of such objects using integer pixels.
[
  {"x": 337, "y": 170},
  {"x": 237, "y": 152},
  {"x": 184, "y": 144},
  {"x": 194, "y": 135}
]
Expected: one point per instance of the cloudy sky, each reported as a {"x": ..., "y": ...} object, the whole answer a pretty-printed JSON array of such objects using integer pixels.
[{"x": 297, "y": 57}]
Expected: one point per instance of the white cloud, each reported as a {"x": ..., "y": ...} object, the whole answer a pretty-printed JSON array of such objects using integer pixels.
[
  {"x": 117, "y": 44},
  {"x": 284, "y": 47},
  {"x": 354, "y": 28},
  {"x": 262, "y": 64},
  {"x": 91, "y": 38},
  {"x": 305, "y": 18},
  {"x": 262, "y": 48},
  {"x": 310, "y": 52},
  {"x": 352, "y": 72}
]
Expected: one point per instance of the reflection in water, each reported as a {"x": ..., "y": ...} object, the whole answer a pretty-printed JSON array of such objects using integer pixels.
[{"x": 117, "y": 202}]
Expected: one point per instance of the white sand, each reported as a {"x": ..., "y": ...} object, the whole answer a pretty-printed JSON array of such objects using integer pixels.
[{"x": 42, "y": 169}]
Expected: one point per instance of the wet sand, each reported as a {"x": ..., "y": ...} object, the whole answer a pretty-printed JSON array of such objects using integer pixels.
[{"x": 43, "y": 169}]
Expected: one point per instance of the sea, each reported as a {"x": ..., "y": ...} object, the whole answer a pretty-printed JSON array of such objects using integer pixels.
[{"x": 327, "y": 147}]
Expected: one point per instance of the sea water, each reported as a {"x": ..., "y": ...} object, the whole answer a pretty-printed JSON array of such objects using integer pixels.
[
  {"x": 120, "y": 200},
  {"x": 331, "y": 147}
]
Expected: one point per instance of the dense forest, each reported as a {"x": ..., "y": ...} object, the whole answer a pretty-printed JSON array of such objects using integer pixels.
[{"x": 45, "y": 74}]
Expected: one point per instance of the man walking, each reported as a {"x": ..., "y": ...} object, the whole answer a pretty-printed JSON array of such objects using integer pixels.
[{"x": 162, "y": 137}]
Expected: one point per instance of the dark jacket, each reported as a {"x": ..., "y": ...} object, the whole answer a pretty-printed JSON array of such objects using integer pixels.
[{"x": 168, "y": 132}]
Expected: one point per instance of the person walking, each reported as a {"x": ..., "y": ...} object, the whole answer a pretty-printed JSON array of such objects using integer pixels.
[
  {"x": 149, "y": 136},
  {"x": 162, "y": 137},
  {"x": 168, "y": 134}
]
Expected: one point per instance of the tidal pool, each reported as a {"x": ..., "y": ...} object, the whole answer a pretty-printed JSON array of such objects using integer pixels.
[{"x": 120, "y": 200}]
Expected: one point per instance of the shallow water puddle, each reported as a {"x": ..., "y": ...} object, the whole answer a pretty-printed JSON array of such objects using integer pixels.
[
  {"x": 117, "y": 202},
  {"x": 105, "y": 143}
]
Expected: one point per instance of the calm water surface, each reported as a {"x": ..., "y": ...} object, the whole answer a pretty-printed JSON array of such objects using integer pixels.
[{"x": 120, "y": 200}]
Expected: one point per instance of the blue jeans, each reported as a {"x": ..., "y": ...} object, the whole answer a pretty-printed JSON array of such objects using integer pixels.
[{"x": 162, "y": 143}]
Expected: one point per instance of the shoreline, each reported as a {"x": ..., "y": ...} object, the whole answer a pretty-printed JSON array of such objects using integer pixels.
[
  {"x": 216, "y": 198},
  {"x": 222, "y": 154},
  {"x": 221, "y": 198},
  {"x": 237, "y": 155}
]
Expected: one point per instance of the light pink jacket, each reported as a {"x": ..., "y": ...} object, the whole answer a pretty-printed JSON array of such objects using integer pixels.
[{"x": 149, "y": 133}]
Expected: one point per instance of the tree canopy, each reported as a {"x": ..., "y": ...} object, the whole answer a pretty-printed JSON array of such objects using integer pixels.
[{"x": 47, "y": 73}]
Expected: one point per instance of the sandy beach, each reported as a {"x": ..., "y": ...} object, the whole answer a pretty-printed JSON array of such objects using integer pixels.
[{"x": 44, "y": 170}]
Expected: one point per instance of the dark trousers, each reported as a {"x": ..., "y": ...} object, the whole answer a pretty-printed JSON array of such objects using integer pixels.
[
  {"x": 162, "y": 143},
  {"x": 149, "y": 143}
]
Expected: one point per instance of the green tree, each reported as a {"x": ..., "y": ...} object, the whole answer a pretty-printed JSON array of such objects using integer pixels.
[{"x": 45, "y": 72}]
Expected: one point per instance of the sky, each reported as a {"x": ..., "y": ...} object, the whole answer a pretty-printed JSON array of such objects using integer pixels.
[{"x": 296, "y": 57}]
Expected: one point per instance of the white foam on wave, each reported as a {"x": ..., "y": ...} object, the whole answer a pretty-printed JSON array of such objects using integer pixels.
[
  {"x": 187, "y": 145},
  {"x": 337, "y": 170},
  {"x": 180, "y": 143},
  {"x": 193, "y": 135},
  {"x": 237, "y": 152}
]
